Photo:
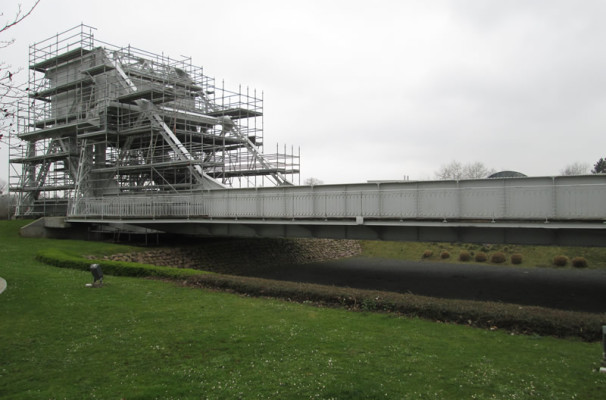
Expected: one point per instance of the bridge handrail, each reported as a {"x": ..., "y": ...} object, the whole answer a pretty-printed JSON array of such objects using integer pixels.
[{"x": 531, "y": 199}]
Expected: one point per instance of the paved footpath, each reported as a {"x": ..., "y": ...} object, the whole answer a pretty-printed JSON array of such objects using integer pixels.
[{"x": 2, "y": 285}]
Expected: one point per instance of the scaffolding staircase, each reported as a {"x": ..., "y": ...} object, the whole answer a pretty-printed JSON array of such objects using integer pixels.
[{"x": 149, "y": 108}]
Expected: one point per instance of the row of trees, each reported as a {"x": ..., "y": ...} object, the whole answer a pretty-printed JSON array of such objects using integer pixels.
[
  {"x": 456, "y": 170},
  {"x": 477, "y": 170},
  {"x": 579, "y": 168}
]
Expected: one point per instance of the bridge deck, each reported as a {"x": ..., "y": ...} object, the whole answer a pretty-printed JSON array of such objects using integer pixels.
[{"x": 525, "y": 210}]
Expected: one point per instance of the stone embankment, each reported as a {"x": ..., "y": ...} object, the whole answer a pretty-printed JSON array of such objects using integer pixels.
[{"x": 244, "y": 255}]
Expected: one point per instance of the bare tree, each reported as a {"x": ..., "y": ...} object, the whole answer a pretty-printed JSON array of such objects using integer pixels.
[
  {"x": 11, "y": 92},
  {"x": 7, "y": 201},
  {"x": 312, "y": 181},
  {"x": 576, "y": 168},
  {"x": 476, "y": 170},
  {"x": 452, "y": 170},
  {"x": 7, "y": 206},
  {"x": 456, "y": 170}
]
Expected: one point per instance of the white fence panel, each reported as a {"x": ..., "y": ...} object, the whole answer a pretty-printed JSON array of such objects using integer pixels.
[
  {"x": 581, "y": 202},
  {"x": 481, "y": 202},
  {"x": 438, "y": 203},
  {"x": 401, "y": 204},
  {"x": 529, "y": 202}
]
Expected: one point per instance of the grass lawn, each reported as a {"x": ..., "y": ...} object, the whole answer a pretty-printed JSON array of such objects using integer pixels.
[{"x": 145, "y": 339}]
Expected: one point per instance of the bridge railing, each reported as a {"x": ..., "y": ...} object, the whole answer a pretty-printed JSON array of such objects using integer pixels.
[{"x": 561, "y": 198}]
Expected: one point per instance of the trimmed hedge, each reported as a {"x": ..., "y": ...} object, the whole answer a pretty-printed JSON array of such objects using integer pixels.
[
  {"x": 62, "y": 259},
  {"x": 510, "y": 317}
]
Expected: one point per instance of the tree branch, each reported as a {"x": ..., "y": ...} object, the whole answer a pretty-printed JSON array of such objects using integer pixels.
[{"x": 19, "y": 17}]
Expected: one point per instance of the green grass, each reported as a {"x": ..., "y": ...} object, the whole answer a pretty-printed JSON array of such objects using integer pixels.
[
  {"x": 533, "y": 256},
  {"x": 144, "y": 339}
]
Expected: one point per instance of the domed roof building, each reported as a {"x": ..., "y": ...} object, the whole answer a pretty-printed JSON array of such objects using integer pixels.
[{"x": 507, "y": 174}]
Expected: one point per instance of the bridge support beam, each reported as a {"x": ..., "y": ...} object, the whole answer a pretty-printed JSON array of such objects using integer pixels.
[{"x": 527, "y": 234}]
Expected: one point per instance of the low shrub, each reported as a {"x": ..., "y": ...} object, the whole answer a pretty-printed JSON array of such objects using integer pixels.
[
  {"x": 516, "y": 258},
  {"x": 579, "y": 262},
  {"x": 481, "y": 257},
  {"x": 444, "y": 255},
  {"x": 464, "y": 256},
  {"x": 560, "y": 261},
  {"x": 498, "y": 258},
  {"x": 427, "y": 254}
]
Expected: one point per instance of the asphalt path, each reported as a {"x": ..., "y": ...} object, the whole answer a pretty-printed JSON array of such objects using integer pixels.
[{"x": 567, "y": 289}]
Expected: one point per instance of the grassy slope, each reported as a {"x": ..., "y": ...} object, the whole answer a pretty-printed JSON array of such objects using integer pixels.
[
  {"x": 142, "y": 339},
  {"x": 533, "y": 256}
]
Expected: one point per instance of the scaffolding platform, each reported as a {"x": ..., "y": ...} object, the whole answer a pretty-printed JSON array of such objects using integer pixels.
[
  {"x": 155, "y": 95},
  {"x": 56, "y": 131},
  {"x": 56, "y": 60},
  {"x": 98, "y": 69},
  {"x": 236, "y": 113},
  {"x": 76, "y": 84},
  {"x": 43, "y": 158}
]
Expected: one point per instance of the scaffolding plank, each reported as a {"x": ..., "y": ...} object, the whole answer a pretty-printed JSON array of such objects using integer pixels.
[
  {"x": 42, "y": 66},
  {"x": 251, "y": 172},
  {"x": 70, "y": 118},
  {"x": 146, "y": 167},
  {"x": 78, "y": 83},
  {"x": 236, "y": 113},
  {"x": 89, "y": 135},
  {"x": 59, "y": 130},
  {"x": 187, "y": 116},
  {"x": 164, "y": 79},
  {"x": 137, "y": 130},
  {"x": 46, "y": 188},
  {"x": 98, "y": 69},
  {"x": 155, "y": 95},
  {"x": 42, "y": 158}
]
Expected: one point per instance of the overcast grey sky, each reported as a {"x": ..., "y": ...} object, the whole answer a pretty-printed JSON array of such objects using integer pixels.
[{"x": 381, "y": 89}]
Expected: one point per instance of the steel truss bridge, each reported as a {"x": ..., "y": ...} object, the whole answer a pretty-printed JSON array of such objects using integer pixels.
[{"x": 541, "y": 210}]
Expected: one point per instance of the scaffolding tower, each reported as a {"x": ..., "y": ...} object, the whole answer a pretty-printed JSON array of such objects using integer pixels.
[{"x": 103, "y": 120}]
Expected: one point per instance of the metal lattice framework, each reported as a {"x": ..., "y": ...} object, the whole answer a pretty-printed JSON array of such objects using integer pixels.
[{"x": 108, "y": 121}]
